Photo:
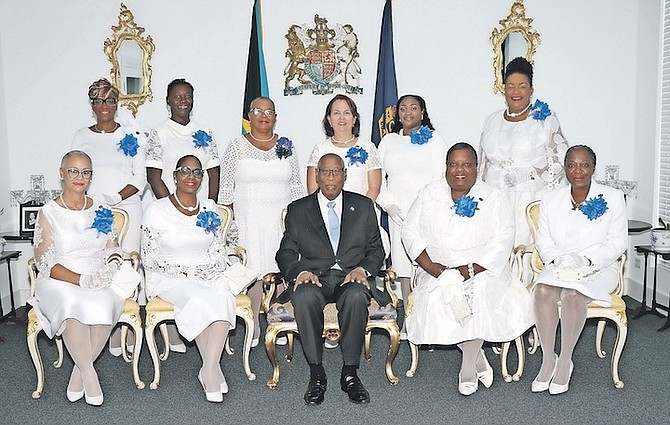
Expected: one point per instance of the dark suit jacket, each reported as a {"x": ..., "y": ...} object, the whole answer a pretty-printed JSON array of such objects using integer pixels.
[{"x": 306, "y": 246}]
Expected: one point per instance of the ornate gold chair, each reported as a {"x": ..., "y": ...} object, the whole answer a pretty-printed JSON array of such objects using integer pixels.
[
  {"x": 615, "y": 313},
  {"x": 129, "y": 317},
  {"x": 281, "y": 318},
  {"x": 158, "y": 311}
]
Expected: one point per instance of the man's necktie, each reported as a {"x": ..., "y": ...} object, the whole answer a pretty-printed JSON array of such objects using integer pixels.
[{"x": 333, "y": 226}]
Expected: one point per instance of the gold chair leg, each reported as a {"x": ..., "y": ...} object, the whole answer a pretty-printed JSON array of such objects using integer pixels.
[
  {"x": 34, "y": 329},
  {"x": 246, "y": 350},
  {"x": 366, "y": 349},
  {"x": 394, "y": 344},
  {"x": 59, "y": 348},
  {"x": 271, "y": 350},
  {"x": 533, "y": 340},
  {"x": 414, "y": 349},
  {"x": 166, "y": 341},
  {"x": 291, "y": 342}
]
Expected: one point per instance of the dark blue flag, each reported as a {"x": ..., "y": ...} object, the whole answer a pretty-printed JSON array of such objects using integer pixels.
[
  {"x": 386, "y": 94},
  {"x": 257, "y": 80}
]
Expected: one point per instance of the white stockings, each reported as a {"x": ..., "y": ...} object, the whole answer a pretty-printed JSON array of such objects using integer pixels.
[
  {"x": 85, "y": 343},
  {"x": 210, "y": 343}
]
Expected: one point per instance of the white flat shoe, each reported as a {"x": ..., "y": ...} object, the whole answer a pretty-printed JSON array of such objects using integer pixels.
[
  {"x": 213, "y": 397},
  {"x": 555, "y": 389},
  {"x": 175, "y": 348},
  {"x": 541, "y": 386},
  {"x": 467, "y": 388},
  {"x": 486, "y": 376}
]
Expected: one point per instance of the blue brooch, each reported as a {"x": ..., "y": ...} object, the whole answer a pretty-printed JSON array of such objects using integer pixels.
[
  {"x": 594, "y": 207},
  {"x": 103, "y": 220},
  {"x": 284, "y": 148},
  {"x": 356, "y": 155},
  {"x": 209, "y": 220},
  {"x": 465, "y": 206},
  {"x": 129, "y": 145},
  {"x": 201, "y": 139},
  {"x": 540, "y": 110},
  {"x": 422, "y": 136}
]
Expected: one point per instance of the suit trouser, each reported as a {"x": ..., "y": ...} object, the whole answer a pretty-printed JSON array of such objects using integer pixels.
[{"x": 352, "y": 302}]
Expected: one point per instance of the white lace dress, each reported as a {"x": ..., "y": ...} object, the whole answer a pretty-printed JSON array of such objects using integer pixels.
[
  {"x": 260, "y": 185},
  {"x": 184, "y": 265},
  {"x": 523, "y": 159},
  {"x": 113, "y": 170},
  {"x": 357, "y": 172},
  {"x": 500, "y": 303},
  {"x": 170, "y": 141},
  {"x": 66, "y": 237},
  {"x": 408, "y": 167}
]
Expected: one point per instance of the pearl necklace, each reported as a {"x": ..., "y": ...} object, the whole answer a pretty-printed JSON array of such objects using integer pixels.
[
  {"x": 516, "y": 114},
  {"x": 334, "y": 140},
  {"x": 65, "y": 205},
  {"x": 262, "y": 140},
  {"x": 116, "y": 125},
  {"x": 189, "y": 209},
  {"x": 575, "y": 205}
]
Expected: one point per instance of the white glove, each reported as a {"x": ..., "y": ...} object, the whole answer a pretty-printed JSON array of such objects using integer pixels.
[
  {"x": 101, "y": 278},
  {"x": 517, "y": 176},
  {"x": 395, "y": 214},
  {"x": 563, "y": 261},
  {"x": 578, "y": 260},
  {"x": 571, "y": 261},
  {"x": 111, "y": 199}
]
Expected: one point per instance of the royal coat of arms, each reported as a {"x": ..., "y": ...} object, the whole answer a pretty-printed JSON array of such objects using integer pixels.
[{"x": 322, "y": 59}]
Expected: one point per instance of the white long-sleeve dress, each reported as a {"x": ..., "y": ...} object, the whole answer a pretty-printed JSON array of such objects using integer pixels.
[
  {"x": 602, "y": 240},
  {"x": 500, "y": 303},
  {"x": 184, "y": 264},
  {"x": 523, "y": 159},
  {"x": 407, "y": 167},
  {"x": 170, "y": 141},
  {"x": 260, "y": 185},
  {"x": 113, "y": 170},
  {"x": 66, "y": 237}
]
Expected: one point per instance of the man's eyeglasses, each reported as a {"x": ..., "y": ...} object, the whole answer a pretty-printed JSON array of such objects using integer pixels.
[
  {"x": 198, "y": 173},
  {"x": 328, "y": 173},
  {"x": 110, "y": 101},
  {"x": 267, "y": 112},
  {"x": 85, "y": 174}
]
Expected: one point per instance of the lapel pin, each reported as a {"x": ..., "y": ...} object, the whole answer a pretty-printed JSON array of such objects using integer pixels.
[{"x": 352, "y": 208}]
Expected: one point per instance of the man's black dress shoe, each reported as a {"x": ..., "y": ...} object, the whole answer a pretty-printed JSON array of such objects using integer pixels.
[
  {"x": 354, "y": 388},
  {"x": 316, "y": 390}
]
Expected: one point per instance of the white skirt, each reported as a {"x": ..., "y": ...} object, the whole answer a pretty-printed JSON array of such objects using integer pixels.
[
  {"x": 56, "y": 301},
  {"x": 599, "y": 287},
  {"x": 501, "y": 311},
  {"x": 197, "y": 306}
]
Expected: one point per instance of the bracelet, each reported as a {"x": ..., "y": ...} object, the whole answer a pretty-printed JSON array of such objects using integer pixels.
[{"x": 471, "y": 270}]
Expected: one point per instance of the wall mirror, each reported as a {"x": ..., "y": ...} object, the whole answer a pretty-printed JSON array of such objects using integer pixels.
[
  {"x": 129, "y": 52},
  {"x": 514, "y": 38}
]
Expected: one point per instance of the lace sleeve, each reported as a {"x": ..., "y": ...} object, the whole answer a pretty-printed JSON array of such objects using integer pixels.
[
  {"x": 374, "y": 162},
  {"x": 212, "y": 154},
  {"x": 552, "y": 172},
  {"x": 314, "y": 156},
  {"x": 297, "y": 189},
  {"x": 154, "y": 152},
  {"x": 45, "y": 249},
  {"x": 228, "y": 170}
]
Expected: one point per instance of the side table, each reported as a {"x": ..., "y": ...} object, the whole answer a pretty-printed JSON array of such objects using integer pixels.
[
  {"x": 6, "y": 256},
  {"x": 655, "y": 306}
]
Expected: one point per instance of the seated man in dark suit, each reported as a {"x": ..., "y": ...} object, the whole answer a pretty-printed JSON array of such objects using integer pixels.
[{"x": 330, "y": 248}]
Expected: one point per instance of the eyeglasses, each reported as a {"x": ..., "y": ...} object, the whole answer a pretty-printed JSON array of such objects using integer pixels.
[
  {"x": 329, "y": 173},
  {"x": 110, "y": 101},
  {"x": 198, "y": 173},
  {"x": 267, "y": 112},
  {"x": 85, "y": 174}
]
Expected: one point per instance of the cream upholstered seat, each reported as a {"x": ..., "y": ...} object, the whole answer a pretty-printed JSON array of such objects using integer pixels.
[
  {"x": 616, "y": 313},
  {"x": 129, "y": 317},
  {"x": 280, "y": 318},
  {"x": 158, "y": 311}
]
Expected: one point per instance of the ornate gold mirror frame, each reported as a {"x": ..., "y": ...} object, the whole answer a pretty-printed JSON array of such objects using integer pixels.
[
  {"x": 125, "y": 43},
  {"x": 516, "y": 21}
]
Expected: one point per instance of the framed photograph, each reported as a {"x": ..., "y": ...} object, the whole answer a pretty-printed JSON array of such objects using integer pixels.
[{"x": 28, "y": 218}]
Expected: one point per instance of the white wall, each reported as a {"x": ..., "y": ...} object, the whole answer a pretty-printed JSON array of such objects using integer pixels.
[{"x": 597, "y": 67}]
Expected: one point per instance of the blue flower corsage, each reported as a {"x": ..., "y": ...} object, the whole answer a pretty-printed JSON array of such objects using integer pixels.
[
  {"x": 284, "y": 148},
  {"x": 423, "y": 135},
  {"x": 129, "y": 145},
  {"x": 209, "y": 220},
  {"x": 594, "y": 207},
  {"x": 356, "y": 155},
  {"x": 201, "y": 139},
  {"x": 540, "y": 110},
  {"x": 465, "y": 206},
  {"x": 103, "y": 220}
]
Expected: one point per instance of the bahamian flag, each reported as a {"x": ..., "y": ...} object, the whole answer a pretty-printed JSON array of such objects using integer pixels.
[
  {"x": 386, "y": 94},
  {"x": 257, "y": 79}
]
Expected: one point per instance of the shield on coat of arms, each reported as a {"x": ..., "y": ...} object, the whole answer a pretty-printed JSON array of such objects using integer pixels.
[{"x": 322, "y": 66}]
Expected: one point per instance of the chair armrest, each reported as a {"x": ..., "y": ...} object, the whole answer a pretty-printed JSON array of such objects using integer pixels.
[
  {"x": 237, "y": 251},
  {"x": 270, "y": 281},
  {"x": 389, "y": 276}
]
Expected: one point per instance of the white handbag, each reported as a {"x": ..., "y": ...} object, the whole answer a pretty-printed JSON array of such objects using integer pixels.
[
  {"x": 239, "y": 277},
  {"x": 125, "y": 280}
]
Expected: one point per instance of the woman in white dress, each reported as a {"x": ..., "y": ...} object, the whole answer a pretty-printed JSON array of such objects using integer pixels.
[
  {"x": 179, "y": 136},
  {"x": 120, "y": 174},
  {"x": 460, "y": 232},
  {"x": 260, "y": 177},
  {"x": 77, "y": 254},
  {"x": 412, "y": 156},
  {"x": 342, "y": 125},
  {"x": 582, "y": 232},
  {"x": 522, "y": 147},
  {"x": 184, "y": 259}
]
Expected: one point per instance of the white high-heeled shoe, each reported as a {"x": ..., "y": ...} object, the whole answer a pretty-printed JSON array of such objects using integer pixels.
[
  {"x": 467, "y": 388},
  {"x": 74, "y": 396},
  {"x": 541, "y": 386},
  {"x": 486, "y": 376},
  {"x": 177, "y": 348},
  {"x": 114, "y": 351},
  {"x": 555, "y": 389},
  {"x": 94, "y": 400},
  {"x": 224, "y": 386},
  {"x": 213, "y": 397}
]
